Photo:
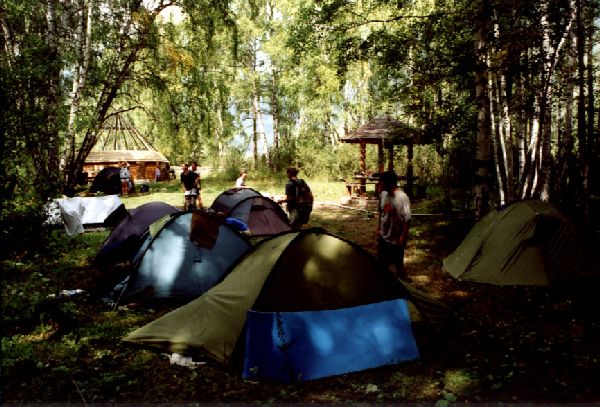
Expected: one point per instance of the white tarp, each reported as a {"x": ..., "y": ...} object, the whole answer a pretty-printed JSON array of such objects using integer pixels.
[{"x": 78, "y": 211}]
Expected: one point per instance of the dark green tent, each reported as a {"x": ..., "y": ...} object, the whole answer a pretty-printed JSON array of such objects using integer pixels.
[
  {"x": 301, "y": 274},
  {"x": 526, "y": 243}
]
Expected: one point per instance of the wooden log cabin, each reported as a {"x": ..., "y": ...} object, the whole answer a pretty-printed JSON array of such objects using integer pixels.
[{"x": 120, "y": 141}]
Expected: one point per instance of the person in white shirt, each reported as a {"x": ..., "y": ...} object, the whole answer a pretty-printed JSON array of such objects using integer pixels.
[
  {"x": 124, "y": 175},
  {"x": 241, "y": 181},
  {"x": 393, "y": 225}
]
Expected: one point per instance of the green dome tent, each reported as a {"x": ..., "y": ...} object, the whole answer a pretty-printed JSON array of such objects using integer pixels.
[
  {"x": 303, "y": 304},
  {"x": 526, "y": 243}
]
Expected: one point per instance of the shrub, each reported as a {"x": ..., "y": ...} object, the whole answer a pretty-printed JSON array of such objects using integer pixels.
[{"x": 22, "y": 223}]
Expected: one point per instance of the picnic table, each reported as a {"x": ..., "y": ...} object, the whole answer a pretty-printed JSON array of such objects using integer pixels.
[{"x": 358, "y": 185}]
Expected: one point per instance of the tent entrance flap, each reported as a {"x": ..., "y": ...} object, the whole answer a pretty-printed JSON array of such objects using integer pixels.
[{"x": 297, "y": 346}]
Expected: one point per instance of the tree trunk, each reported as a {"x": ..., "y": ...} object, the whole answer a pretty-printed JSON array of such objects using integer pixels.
[
  {"x": 482, "y": 153},
  {"x": 83, "y": 46},
  {"x": 260, "y": 129},
  {"x": 581, "y": 123},
  {"x": 566, "y": 160},
  {"x": 47, "y": 160},
  {"x": 255, "y": 130},
  {"x": 545, "y": 112},
  {"x": 521, "y": 133},
  {"x": 497, "y": 145},
  {"x": 590, "y": 116},
  {"x": 275, "y": 110}
]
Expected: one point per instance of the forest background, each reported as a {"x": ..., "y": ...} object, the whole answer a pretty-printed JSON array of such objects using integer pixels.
[{"x": 503, "y": 92}]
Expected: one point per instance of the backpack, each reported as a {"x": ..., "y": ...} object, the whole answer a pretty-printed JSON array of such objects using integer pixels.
[{"x": 304, "y": 195}]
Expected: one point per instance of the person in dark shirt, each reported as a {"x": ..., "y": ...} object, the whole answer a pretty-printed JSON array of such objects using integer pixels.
[
  {"x": 298, "y": 198},
  {"x": 189, "y": 182}
]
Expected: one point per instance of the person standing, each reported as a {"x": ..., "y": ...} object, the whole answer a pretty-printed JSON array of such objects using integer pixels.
[
  {"x": 157, "y": 174},
  {"x": 241, "y": 181},
  {"x": 393, "y": 225},
  {"x": 189, "y": 183},
  {"x": 124, "y": 175},
  {"x": 194, "y": 168},
  {"x": 299, "y": 199}
]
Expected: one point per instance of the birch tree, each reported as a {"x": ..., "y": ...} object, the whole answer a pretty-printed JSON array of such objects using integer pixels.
[{"x": 482, "y": 158}]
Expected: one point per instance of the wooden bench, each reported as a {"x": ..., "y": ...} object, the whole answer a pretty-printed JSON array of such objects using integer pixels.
[{"x": 359, "y": 187}]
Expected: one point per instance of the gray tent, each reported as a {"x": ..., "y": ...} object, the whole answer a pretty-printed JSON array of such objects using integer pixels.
[
  {"x": 182, "y": 256},
  {"x": 260, "y": 214},
  {"x": 526, "y": 243}
]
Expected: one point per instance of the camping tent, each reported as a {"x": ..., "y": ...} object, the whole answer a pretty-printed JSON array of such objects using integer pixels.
[
  {"x": 229, "y": 198},
  {"x": 303, "y": 304},
  {"x": 262, "y": 215},
  {"x": 126, "y": 238},
  {"x": 107, "y": 181},
  {"x": 526, "y": 243},
  {"x": 182, "y": 257}
]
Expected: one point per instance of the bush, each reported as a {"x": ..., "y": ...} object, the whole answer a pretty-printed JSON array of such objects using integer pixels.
[{"x": 22, "y": 223}]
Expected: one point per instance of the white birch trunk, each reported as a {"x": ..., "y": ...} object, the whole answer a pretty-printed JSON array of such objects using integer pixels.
[
  {"x": 496, "y": 138},
  {"x": 83, "y": 46},
  {"x": 260, "y": 128}
]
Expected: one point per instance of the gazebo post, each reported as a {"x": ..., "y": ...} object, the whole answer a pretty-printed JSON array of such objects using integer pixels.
[
  {"x": 363, "y": 156},
  {"x": 363, "y": 167},
  {"x": 380, "y": 157},
  {"x": 409, "y": 170}
]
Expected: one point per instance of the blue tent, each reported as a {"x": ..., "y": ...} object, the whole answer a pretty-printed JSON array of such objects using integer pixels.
[{"x": 185, "y": 256}]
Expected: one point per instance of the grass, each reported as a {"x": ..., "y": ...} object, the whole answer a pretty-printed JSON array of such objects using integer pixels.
[
  {"x": 170, "y": 191},
  {"x": 508, "y": 344}
]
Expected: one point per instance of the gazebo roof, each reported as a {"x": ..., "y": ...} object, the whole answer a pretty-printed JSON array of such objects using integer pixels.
[
  {"x": 383, "y": 129},
  {"x": 120, "y": 141}
]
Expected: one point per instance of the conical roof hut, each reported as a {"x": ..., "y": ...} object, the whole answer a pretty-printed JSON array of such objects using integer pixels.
[{"x": 120, "y": 141}]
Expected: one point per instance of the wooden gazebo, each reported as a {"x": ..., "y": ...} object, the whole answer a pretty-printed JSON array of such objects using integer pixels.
[
  {"x": 120, "y": 141},
  {"x": 386, "y": 132}
]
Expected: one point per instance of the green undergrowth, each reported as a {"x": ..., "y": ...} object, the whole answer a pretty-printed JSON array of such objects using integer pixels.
[{"x": 508, "y": 344}]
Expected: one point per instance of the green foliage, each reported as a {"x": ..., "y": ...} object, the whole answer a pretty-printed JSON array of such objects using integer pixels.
[
  {"x": 233, "y": 162},
  {"x": 21, "y": 223},
  {"x": 327, "y": 163}
]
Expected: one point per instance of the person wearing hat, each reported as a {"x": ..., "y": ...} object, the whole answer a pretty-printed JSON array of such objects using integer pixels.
[{"x": 394, "y": 221}]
